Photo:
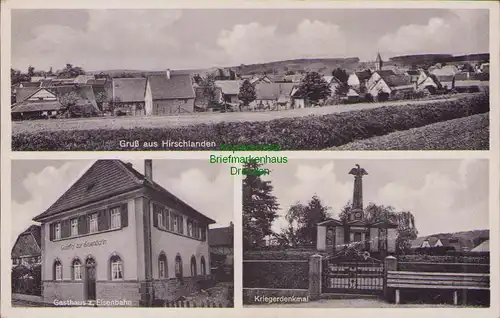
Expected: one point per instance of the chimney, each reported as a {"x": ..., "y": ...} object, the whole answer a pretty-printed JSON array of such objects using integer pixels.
[
  {"x": 129, "y": 164},
  {"x": 167, "y": 72},
  {"x": 148, "y": 169}
]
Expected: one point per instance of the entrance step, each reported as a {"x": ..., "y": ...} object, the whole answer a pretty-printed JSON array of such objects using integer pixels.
[{"x": 347, "y": 296}]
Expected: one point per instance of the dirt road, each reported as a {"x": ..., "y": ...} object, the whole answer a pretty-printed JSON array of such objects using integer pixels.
[{"x": 31, "y": 126}]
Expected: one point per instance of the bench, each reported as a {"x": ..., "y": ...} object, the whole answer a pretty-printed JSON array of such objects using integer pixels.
[{"x": 451, "y": 281}]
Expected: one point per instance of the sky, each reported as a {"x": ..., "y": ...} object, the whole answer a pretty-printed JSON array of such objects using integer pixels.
[
  {"x": 195, "y": 38},
  {"x": 37, "y": 184},
  {"x": 445, "y": 196}
]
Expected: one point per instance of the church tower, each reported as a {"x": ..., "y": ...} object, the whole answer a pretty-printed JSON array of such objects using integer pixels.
[{"x": 378, "y": 62}]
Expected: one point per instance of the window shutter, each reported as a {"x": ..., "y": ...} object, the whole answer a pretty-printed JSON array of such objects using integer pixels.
[
  {"x": 107, "y": 219},
  {"x": 124, "y": 215},
  {"x": 164, "y": 218},
  {"x": 51, "y": 231},
  {"x": 155, "y": 215},
  {"x": 81, "y": 224},
  {"x": 64, "y": 229},
  {"x": 100, "y": 220},
  {"x": 181, "y": 225}
]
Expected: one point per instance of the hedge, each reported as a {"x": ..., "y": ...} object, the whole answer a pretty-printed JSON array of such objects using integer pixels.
[
  {"x": 300, "y": 133},
  {"x": 279, "y": 255},
  {"x": 285, "y": 275},
  {"x": 484, "y": 258},
  {"x": 468, "y": 133}
]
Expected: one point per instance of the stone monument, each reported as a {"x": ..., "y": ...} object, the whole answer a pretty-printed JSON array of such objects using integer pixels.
[{"x": 355, "y": 231}]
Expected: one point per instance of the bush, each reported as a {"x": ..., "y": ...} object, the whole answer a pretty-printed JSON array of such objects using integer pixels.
[
  {"x": 286, "y": 275},
  {"x": 300, "y": 133}
]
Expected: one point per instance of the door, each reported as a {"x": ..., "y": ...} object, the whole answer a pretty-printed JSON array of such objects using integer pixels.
[{"x": 90, "y": 279}]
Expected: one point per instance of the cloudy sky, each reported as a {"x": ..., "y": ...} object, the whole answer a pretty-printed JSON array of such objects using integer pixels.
[
  {"x": 194, "y": 38},
  {"x": 37, "y": 184},
  {"x": 443, "y": 195}
]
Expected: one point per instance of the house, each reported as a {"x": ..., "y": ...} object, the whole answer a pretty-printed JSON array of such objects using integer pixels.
[
  {"x": 277, "y": 78},
  {"x": 116, "y": 234},
  {"x": 352, "y": 96},
  {"x": 383, "y": 85},
  {"x": 470, "y": 82},
  {"x": 42, "y": 103},
  {"x": 295, "y": 78},
  {"x": 446, "y": 81},
  {"x": 229, "y": 90},
  {"x": 427, "y": 82},
  {"x": 449, "y": 243},
  {"x": 86, "y": 99},
  {"x": 333, "y": 82},
  {"x": 21, "y": 93},
  {"x": 357, "y": 80},
  {"x": 27, "y": 249},
  {"x": 260, "y": 79},
  {"x": 482, "y": 248},
  {"x": 83, "y": 79},
  {"x": 169, "y": 94},
  {"x": 272, "y": 95},
  {"x": 446, "y": 70},
  {"x": 201, "y": 101},
  {"x": 128, "y": 96},
  {"x": 221, "y": 242},
  {"x": 413, "y": 74}
]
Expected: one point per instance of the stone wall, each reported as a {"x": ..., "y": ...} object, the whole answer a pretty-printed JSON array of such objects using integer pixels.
[
  {"x": 118, "y": 291},
  {"x": 63, "y": 290},
  {"x": 172, "y": 289}
]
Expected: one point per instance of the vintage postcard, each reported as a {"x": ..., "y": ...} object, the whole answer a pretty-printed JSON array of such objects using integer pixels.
[
  {"x": 250, "y": 79},
  {"x": 110, "y": 233},
  {"x": 344, "y": 233}
]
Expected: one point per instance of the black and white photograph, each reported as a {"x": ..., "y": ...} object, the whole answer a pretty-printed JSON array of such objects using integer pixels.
[
  {"x": 201, "y": 79},
  {"x": 370, "y": 233},
  {"x": 112, "y": 233}
]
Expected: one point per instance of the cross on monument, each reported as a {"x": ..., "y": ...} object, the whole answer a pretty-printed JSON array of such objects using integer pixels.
[{"x": 357, "y": 197}]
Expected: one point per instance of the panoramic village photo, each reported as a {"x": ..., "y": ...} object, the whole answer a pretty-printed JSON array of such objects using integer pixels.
[
  {"x": 112, "y": 233},
  {"x": 311, "y": 79},
  {"x": 367, "y": 234}
]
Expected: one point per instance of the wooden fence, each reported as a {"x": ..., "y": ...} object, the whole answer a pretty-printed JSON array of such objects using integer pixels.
[{"x": 193, "y": 304}]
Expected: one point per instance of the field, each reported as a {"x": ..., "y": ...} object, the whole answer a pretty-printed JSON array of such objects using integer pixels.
[
  {"x": 299, "y": 129},
  {"x": 468, "y": 133}
]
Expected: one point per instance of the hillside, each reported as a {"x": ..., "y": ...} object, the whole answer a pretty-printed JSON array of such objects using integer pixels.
[
  {"x": 474, "y": 236},
  {"x": 321, "y": 65}
]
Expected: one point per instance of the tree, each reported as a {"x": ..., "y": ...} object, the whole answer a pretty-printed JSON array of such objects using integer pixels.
[
  {"x": 68, "y": 101},
  {"x": 304, "y": 218},
  {"x": 209, "y": 90},
  {"x": 341, "y": 75},
  {"x": 16, "y": 76},
  {"x": 31, "y": 71},
  {"x": 290, "y": 73},
  {"x": 344, "y": 213},
  {"x": 315, "y": 88},
  {"x": 71, "y": 71},
  {"x": 101, "y": 98},
  {"x": 260, "y": 208},
  {"x": 247, "y": 93},
  {"x": 405, "y": 220},
  {"x": 197, "y": 79}
]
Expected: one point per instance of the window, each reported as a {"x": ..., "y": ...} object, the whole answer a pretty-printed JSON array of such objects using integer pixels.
[
  {"x": 175, "y": 227},
  {"x": 193, "y": 266},
  {"x": 115, "y": 218},
  {"x": 74, "y": 227},
  {"x": 203, "y": 234},
  {"x": 178, "y": 266},
  {"x": 77, "y": 270},
  {"x": 189, "y": 228},
  {"x": 203, "y": 266},
  {"x": 116, "y": 268},
  {"x": 160, "y": 219},
  {"x": 57, "y": 231},
  {"x": 180, "y": 224},
  {"x": 93, "y": 223},
  {"x": 162, "y": 266},
  {"x": 57, "y": 270}
]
